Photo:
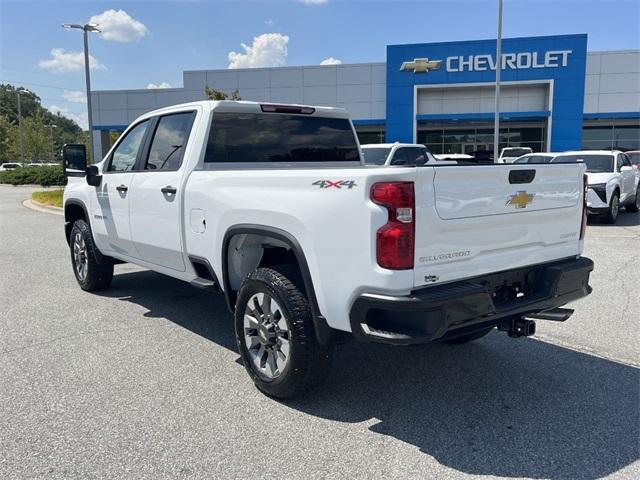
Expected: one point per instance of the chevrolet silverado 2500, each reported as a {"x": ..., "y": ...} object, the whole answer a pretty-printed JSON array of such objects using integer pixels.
[{"x": 272, "y": 206}]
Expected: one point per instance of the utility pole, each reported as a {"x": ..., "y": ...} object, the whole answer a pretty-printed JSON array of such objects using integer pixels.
[
  {"x": 496, "y": 118},
  {"x": 89, "y": 27},
  {"x": 51, "y": 127},
  {"x": 18, "y": 93}
]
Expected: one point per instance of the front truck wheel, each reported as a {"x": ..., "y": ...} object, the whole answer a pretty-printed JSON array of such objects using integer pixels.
[
  {"x": 93, "y": 270},
  {"x": 276, "y": 337}
]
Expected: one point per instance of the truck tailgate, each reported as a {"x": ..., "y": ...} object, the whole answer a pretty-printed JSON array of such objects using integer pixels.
[{"x": 472, "y": 220}]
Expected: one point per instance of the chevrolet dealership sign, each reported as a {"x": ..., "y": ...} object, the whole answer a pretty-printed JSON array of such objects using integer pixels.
[{"x": 481, "y": 63}]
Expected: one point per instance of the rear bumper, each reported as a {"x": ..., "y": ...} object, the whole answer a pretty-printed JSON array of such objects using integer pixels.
[{"x": 446, "y": 311}]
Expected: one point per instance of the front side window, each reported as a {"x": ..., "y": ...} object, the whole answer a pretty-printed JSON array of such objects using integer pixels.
[
  {"x": 125, "y": 154},
  {"x": 169, "y": 141},
  {"x": 375, "y": 156},
  {"x": 275, "y": 137},
  {"x": 634, "y": 157}
]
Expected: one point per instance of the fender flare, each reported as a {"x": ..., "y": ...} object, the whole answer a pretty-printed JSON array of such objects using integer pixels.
[
  {"x": 324, "y": 332},
  {"x": 67, "y": 224}
]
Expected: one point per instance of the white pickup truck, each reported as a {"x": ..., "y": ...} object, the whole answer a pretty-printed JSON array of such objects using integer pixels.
[{"x": 272, "y": 206}]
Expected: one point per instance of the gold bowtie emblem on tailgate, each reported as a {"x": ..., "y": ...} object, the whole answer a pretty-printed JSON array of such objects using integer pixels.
[
  {"x": 420, "y": 65},
  {"x": 521, "y": 199}
]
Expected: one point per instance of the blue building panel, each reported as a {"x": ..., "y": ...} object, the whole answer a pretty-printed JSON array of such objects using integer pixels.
[{"x": 560, "y": 59}]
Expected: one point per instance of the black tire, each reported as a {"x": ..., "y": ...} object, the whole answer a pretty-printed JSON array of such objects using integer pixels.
[
  {"x": 308, "y": 362},
  {"x": 635, "y": 206},
  {"x": 97, "y": 269},
  {"x": 614, "y": 208},
  {"x": 469, "y": 337}
]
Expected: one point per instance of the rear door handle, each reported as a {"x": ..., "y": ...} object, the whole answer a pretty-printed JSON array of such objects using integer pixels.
[
  {"x": 122, "y": 188},
  {"x": 169, "y": 190}
]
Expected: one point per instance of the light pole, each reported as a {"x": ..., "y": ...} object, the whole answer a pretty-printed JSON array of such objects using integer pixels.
[
  {"x": 51, "y": 127},
  {"x": 18, "y": 93},
  {"x": 86, "y": 28},
  {"x": 496, "y": 119}
]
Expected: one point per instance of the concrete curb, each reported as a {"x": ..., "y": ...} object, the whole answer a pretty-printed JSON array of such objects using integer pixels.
[{"x": 39, "y": 207}]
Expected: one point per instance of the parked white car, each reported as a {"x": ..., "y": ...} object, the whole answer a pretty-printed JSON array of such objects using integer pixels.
[
  {"x": 613, "y": 181},
  {"x": 539, "y": 157},
  {"x": 509, "y": 154},
  {"x": 463, "y": 157},
  {"x": 397, "y": 154},
  {"x": 272, "y": 206},
  {"x": 9, "y": 166}
]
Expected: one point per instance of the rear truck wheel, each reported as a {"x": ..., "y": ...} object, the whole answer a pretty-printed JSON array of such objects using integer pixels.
[
  {"x": 93, "y": 270},
  {"x": 469, "y": 337},
  {"x": 276, "y": 337},
  {"x": 635, "y": 206},
  {"x": 614, "y": 208}
]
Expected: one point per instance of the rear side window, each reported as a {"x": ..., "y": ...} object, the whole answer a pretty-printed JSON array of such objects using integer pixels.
[
  {"x": 274, "y": 137},
  {"x": 400, "y": 157},
  {"x": 416, "y": 156},
  {"x": 169, "y": 141}
]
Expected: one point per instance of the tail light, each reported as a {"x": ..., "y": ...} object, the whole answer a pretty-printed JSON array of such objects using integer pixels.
[
  {"x": 395, "y": 240},
  {"x": 583, "y": 225}
]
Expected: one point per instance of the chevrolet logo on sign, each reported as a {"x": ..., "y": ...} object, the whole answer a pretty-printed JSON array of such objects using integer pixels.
[
  {"x": 521, "y": 199},
  {"x": 420, "y": 65}
]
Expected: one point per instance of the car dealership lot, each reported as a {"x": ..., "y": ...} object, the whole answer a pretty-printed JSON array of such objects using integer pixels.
[{"x": 143, "y": 381}]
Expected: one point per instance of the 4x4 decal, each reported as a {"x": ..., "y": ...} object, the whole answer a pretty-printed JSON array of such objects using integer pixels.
[{"x": 335, "y": 183}]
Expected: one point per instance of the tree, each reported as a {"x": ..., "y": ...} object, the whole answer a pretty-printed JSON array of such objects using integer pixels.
[
  {"x": 8, "y": 134},
  {"x": 35, "y": 118},
  {"x": 213, "y": 94}
]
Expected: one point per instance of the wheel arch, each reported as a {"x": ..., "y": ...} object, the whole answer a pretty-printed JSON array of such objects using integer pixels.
[
  {"x": 73, "y": 210},
  {"x": 323, "y": 332}
]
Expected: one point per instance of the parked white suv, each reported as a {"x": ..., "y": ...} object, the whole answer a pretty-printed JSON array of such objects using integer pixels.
[
  {"x": 509, "y": 154},
  {"x": 613, "y": 181},
  {"x": 272, "y": 206}
]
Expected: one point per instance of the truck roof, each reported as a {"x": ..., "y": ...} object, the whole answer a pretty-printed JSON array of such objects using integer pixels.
[{"x": 251, "y": 107}]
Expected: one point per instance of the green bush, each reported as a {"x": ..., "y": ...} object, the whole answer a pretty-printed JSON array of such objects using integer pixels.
[{"x": 45, "y": 176}]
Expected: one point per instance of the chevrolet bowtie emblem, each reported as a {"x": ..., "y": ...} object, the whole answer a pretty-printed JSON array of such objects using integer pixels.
[
  {"x": 420, "y": 65},
  {"x": 521, "y": 199}
]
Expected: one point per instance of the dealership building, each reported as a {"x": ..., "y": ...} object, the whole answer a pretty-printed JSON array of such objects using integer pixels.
[{"x": 555, "y": 95}]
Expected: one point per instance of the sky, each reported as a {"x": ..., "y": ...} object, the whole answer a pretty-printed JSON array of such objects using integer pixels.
[{"x": 147, "y": 44}]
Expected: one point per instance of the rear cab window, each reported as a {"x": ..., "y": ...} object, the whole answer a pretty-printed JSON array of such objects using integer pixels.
[{"x": 268, "y": 138}]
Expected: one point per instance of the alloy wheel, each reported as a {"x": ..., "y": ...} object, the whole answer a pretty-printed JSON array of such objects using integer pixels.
[
  {"x": 80, "y": 258},
  {"x": 266, "y": 335}
]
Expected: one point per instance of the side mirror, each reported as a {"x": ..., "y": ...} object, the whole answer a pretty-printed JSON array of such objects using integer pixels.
[
  {"x": 93, "y": 176},
  {"x": 626, "y": 168},
  {"x": 74, "y": 160}
]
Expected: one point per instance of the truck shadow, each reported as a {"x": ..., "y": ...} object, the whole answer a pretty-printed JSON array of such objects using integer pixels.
[
  {"x": 498, "y": 406},
  {"x": 625, "y": 219}
]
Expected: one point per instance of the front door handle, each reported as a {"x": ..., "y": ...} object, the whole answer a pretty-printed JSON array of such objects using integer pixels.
[
  {"x": 122, "y": 188},
  {"x": 168, "y": 190}
]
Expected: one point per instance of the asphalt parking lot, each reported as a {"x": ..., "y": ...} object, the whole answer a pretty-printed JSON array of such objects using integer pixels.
[{"x": 143, "y": 381}]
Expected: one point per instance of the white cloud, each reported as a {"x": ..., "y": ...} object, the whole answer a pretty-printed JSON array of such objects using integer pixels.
[
  {"x": 118, "y": 26},
  {"x": 158, "y": 85},
  {"x": 79, "y": 118},
  {"x": 62, "y": 61},
  {"x": 267, "y": 50},
  {"x": 313, "y": 2},
  {"x": 270, "y": 22},
  {"x": 331, "y": 61},
  {"x": 75, "y": 96}
]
